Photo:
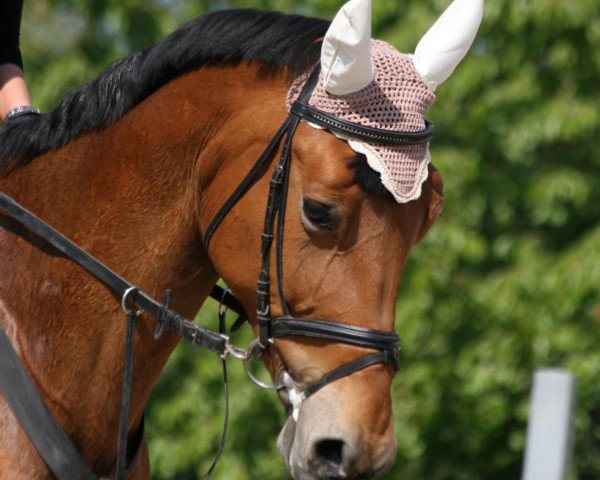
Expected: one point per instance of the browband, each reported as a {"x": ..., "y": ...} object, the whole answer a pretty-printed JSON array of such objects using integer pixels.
[{"x": 356, "y": 130}]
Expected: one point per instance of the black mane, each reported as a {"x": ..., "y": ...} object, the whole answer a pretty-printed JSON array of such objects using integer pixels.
[{"x": 273, "y": 39}]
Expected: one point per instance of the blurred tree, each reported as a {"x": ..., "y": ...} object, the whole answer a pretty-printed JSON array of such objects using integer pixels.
[{"x": 505, "y": 283}]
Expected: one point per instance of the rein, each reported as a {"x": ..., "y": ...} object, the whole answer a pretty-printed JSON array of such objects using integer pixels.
[{"x": 52, "y": 443}]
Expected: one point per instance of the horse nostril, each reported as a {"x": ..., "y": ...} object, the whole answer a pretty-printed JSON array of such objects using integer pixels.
[
  {"x": 330, "y": 451},
  {"x": 329, "y": 460}
]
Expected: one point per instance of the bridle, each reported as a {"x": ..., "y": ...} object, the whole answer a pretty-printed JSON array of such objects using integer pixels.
[
  {"x": 387, "y": 344},
  {"x": 18, "y": 389}
]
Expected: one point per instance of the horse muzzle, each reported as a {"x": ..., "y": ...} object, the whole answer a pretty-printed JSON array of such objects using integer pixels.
[{"x": 326, "y": 443}]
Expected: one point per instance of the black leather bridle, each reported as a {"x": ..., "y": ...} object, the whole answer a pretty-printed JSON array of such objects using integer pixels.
[
  {"x": 19, "y": 390},
  {"x": 386, "y": 343}
]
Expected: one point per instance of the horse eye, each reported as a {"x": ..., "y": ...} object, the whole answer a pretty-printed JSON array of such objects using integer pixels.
[{"x": 320, "y": 215}]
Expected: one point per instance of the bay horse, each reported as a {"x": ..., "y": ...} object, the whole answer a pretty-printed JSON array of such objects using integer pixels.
[{"x": 133, "y": 167}]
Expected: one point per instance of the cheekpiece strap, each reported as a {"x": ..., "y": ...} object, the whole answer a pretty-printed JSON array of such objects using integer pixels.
[{"x": 275, "y": 204}]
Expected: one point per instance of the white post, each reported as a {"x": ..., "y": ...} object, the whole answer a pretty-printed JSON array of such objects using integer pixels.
[{"x": 550, "y": 429}]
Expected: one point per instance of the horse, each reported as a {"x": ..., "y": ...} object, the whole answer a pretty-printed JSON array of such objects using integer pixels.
[{"x": 134, "y": 165}]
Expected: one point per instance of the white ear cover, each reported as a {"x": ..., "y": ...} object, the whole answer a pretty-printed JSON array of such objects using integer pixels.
[
  {"x": 346, "y": 52},
  {"x": 447, "y": 42}
]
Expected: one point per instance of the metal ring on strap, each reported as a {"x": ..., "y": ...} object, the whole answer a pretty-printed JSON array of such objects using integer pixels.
[
  {"x": 252, "y": 347},
  {"x": 126, "y": 310}
]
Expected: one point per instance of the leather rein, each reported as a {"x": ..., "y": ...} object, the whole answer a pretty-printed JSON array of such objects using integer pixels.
[{"x": 51, "y": 442}]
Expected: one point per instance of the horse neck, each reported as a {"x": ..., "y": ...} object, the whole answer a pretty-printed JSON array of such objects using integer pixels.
[{"x": 132, "y": 196}]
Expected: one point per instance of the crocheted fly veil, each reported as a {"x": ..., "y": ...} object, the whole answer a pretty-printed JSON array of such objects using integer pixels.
[
  {"x": 370, "y": 83},
  {"x": 397, "y": 99}
]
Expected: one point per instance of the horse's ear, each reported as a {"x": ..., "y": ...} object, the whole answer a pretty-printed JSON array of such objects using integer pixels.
[
  {"x": 447, "y": 42},
  {"x": 346, "y": 52}
]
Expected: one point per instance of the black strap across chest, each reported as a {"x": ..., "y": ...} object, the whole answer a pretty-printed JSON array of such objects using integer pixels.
[
  {"x": 48, "y": 437},
  {"x": 45, "y": 433}
]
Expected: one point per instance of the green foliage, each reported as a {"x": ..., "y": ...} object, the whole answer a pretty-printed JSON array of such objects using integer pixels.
[{"x": 506, "y": 282}]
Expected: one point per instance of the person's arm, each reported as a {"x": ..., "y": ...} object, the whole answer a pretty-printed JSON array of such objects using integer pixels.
[{"x": 13, "y": 89}]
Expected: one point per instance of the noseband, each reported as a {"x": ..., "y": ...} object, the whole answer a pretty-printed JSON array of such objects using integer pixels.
[{"x": 387, "y": 344}]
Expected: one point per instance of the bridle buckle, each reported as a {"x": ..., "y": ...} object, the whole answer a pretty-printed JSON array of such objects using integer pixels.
[{"x": 232, "y": 351}]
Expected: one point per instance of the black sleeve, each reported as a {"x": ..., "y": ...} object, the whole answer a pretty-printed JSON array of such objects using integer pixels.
[{"x": 10, "y": 26}]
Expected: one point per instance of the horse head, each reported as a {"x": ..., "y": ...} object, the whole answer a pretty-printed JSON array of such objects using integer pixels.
[{"x": 353, "y": 208}]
